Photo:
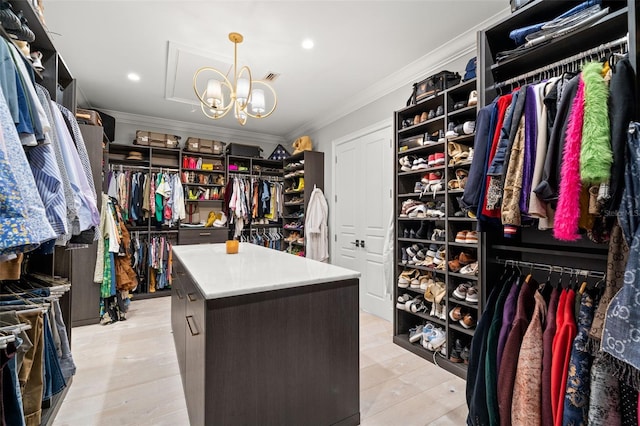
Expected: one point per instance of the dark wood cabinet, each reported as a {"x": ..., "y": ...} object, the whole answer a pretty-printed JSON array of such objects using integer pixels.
[
  {"x": 202, "y": 235},
  {"x": 282, "y": 357}
]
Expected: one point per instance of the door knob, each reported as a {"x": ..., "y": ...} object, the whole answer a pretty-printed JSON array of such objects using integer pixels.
[{"x": 362, "y": 243}]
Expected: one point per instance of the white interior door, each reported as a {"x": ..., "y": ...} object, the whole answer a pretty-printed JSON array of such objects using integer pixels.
[{"x": 362, "y": 206}]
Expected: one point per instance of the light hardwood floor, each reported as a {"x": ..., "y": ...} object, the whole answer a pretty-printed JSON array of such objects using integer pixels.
[{"x": 127, "y": 374}]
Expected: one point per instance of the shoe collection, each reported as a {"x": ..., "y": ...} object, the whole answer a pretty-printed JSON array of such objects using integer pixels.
[
  {"x": 432, "y": 337},
  {"x": 295, "y": 173},
  {"x": 462, "y": 316},
  {"x": 424, "y": 232},
  {"x": 460, "y": 182},
  {"x": 204, "y": 194},
  {"x": 467, "y": 292},
  {"x": 216, "y": 220},
  {"x": 467, "y": 237},
  {"x": 197, "y": 163},
  {"x": 295, "y": 188},
  {"x": 295, "y": 200},
  {"x": 294, "y": 225},
  {"x": 293, "y": 166},
  {"x": 461, "y": 261},
  {"x": 294, "y": 237},
  {"x": 419, "y": 210},
  {"x": 424, "y": 116},
  {"x": 471, "y": 101},
  {"x": 202, "y": 178},
  {"x": 459, "y": 153},
  {"x": 418, "y": 254},
  {"x": 455, "y": 130},
  {"x": 459, "y": 353}
]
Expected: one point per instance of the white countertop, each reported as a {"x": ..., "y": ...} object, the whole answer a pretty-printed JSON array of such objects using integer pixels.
[{"x": 253, "y": 269}]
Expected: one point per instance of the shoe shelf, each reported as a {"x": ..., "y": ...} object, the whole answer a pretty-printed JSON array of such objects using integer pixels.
[
  {"x": 466, "y": 111},
  {"x": 462, "y": 138},
  {"x": 423, "y": 316},
  {"x": 465, "y": 245},
  {"x": 425, "y": 104},
  {"x": 301, "y": 203},
  {"x": 465, "y": 276},
  {"x": 418, "y": 240},
  {"x": 461, "y": 329},
  {"x": 421, "y": 171},
  {"x": 412, "y": 129},
  {"x": 426, "y": 147},
  {"x": 301, "y": 191},
  {"x": 462, "y": 219},
  {"x": 404, "y": 182}
]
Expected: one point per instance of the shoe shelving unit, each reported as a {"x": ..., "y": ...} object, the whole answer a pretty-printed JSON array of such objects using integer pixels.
[
  {"x": 309, "y": 166},
  {"x": 261, "y": 168},
  {"x": 203, "y": 193},
  {"x": 441, "y": 208}
]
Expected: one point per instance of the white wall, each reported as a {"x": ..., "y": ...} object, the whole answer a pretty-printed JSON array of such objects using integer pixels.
[{"x": 375, "y": 112}]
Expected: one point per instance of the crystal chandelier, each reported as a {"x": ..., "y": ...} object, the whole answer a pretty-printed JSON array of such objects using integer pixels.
[{"x": 245, "y": 96}]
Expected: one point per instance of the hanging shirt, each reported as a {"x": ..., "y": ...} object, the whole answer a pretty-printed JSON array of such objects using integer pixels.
[
  {"x": 36, "y": 215},
  {"x": 88, "y": 214},
  {"x": 69, "y": 196}
]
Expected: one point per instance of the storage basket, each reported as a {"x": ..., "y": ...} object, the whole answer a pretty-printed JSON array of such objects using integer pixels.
[
  {"x": 156, "y": 140},
  {"x": 205, "y": 146}
]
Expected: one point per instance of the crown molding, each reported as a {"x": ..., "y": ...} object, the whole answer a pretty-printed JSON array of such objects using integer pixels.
[
  {"x": 459, "y": 47},
  {"x": 213, "y": 132}
]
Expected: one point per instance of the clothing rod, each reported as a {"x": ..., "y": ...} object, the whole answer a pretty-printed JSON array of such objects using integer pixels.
[
  {"x": 121, "y": 167},
  {"x": 572, "y": 59},
  {"x": 552, "y": 268}
]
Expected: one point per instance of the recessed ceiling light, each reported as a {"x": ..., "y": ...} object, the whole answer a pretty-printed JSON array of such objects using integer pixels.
[
  {"x": 307, "y": 43},
  {"x": 133, "y": 76}
]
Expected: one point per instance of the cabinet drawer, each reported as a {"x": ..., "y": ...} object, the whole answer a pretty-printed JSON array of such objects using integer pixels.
[{"x": 202, "y": 236}]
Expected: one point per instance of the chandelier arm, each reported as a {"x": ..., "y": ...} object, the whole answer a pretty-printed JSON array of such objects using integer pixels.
[
  {"x": 215, "y": 71},
  {"x": 243, "y": 106},
  {"x": 275, "y": 100}
]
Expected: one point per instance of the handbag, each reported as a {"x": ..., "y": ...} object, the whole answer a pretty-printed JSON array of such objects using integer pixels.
[{"x": 431, "y": 85}]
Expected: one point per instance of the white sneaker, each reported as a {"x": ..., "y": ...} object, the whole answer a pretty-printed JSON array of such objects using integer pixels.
[{"x": 437, "y": 340}]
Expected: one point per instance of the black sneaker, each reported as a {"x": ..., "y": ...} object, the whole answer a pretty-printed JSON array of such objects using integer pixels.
[
  {"x": 439, "y": 111},
  {"x": 412, "y": 234},
  {"x": 465, "y": 354},
  {"x": 456, "y": 352},
  {"x": 424, "y": 232},
  {"x": 451, "y": 131},
  {"x": 405, "y": 233}
]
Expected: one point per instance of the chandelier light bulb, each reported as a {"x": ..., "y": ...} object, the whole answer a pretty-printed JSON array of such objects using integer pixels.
[{"x": 257, "y": 101}]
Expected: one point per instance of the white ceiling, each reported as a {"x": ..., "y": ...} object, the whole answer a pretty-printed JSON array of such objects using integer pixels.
[{"x": 357, "y": 44}]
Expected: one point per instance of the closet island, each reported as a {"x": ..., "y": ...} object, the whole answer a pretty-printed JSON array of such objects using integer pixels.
[{"x": 264, "y": 337}]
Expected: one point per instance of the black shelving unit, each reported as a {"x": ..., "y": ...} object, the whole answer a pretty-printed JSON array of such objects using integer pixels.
[
  {"x": 405, "y": 190},
  {"x": 308, "y": 165}
]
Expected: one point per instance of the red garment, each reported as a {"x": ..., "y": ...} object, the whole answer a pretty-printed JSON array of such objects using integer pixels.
[
  {"x": 503, "y": 103},
  {"x": 555, "y": 387},
  {"x": 562, "y": 354}
]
